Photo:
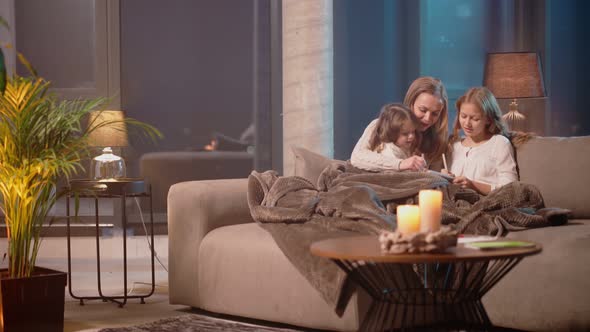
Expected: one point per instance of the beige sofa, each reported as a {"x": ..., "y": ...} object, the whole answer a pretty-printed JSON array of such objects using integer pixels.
[{"x": 221, "y": 261}]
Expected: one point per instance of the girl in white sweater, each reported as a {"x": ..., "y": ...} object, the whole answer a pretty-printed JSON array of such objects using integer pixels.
[
  {"x": 483, "y": 159},
  {"x": 392, "y": 137}
]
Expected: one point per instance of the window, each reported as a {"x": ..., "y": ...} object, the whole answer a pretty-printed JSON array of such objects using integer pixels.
[{"x": 73, "y": 43}]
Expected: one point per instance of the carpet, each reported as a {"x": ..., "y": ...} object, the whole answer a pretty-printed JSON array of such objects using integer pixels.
[{"x": 197, "y": 323}]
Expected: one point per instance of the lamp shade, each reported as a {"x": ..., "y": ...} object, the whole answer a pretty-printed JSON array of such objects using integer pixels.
[
  {"x": 112, "y": 133},
  {"x": 514, "y": 75}
]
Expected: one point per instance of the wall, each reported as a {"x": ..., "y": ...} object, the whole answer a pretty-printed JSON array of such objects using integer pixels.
[
  {"x": 568, "y": 66},
  {"x": 72, "y": 63},
  {"x": 374, "y": 62}
]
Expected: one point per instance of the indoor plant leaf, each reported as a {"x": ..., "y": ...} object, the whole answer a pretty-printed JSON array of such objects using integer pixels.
[{"x": 43, "y": 141}]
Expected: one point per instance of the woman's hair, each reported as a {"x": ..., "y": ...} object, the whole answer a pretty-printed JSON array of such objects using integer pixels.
[
  {"x": 434, "y": 139},
  {"x": 389, "y": 125},
  {"x": 485, "y": 101}
]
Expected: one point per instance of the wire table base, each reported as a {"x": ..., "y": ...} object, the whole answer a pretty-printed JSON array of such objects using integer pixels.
[
  {"x": 442, "y": 295},
  {"x": 422, "y": 291}
]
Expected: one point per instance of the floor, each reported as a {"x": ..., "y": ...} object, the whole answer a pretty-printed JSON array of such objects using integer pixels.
[{"x": 96, "y": 314}]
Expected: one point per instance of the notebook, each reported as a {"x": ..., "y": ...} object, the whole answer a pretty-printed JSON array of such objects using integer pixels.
[{"x": 492, "y": 245}]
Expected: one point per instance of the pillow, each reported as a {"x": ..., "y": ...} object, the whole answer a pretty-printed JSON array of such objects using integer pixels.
[
  {"x": 560, "y": 168},
  {"x": 309, "y": 164}
]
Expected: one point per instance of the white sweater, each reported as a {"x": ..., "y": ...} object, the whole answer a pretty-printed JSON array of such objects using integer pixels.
[
  {"x": 364, "y": 158},
  {"x": 491, "y": 163}
]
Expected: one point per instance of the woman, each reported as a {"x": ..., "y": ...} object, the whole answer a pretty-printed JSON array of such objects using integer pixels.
[{"x": 427, "y": 99}]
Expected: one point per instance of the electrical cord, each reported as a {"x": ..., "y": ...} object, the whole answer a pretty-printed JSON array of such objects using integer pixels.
[
  {"x": 142, "y": 283},
  {"x": 150, "y": 245}
]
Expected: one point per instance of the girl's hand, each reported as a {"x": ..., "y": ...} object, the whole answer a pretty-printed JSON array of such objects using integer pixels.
[
  {"x": 414, "y": 163},
  {"x": 464, "y": 182},
  {"x": 447, "y": 172}
]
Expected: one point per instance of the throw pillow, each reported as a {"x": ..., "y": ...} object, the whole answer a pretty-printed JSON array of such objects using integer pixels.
[
  {"x": 309, "y": 164},
  {"x": 558, "y": 166}
]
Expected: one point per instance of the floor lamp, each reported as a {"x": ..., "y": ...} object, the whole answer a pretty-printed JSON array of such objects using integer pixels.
[{"x": 514, "y": 76}]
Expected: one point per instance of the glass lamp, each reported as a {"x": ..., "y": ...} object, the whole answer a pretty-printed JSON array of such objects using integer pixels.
[
  {"x": 513, "y": 76},
  {"x": 109, "y": 131}
]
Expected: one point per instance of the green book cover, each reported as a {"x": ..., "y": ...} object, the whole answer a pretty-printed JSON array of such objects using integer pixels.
[{"x": 499, "y": 245}]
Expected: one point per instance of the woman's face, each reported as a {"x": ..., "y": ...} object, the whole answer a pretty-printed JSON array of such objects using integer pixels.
[
  {"x": 427, "y": 109},
  {"x": 473, "y": 122}
]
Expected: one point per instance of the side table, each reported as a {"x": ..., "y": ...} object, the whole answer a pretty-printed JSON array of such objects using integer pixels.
[
  {"x": 123, "y": 189},
  {"x": 422, "y": 291}
]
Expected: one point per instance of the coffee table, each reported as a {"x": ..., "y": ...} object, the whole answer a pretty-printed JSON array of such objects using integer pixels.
[{"x": 422, "y": 291}]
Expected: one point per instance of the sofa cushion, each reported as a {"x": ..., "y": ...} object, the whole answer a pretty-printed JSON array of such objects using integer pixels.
[
  {"x": 559, "y": 167},
  {"x": 243, "y": 272},
  {"x": 309, "y": 164},
  {"x": 548, "y": 291}
]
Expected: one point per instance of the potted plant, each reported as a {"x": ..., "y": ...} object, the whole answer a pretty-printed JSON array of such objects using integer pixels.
[{"x": 42, "y": 140}]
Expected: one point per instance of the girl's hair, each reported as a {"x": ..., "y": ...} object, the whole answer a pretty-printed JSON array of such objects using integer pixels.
[
  {"x": 389, "y": 125},
  {"x": 434, "y": 139},
  {"x": 485, "y": 101}
]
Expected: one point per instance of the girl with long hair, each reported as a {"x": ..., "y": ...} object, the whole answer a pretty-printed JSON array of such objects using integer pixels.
[
  {"x": 394, "y": 135},
  {"x": 482, "y": 158}
]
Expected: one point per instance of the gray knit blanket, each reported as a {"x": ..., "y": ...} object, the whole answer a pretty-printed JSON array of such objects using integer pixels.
[{"x": 347, "y": 201}]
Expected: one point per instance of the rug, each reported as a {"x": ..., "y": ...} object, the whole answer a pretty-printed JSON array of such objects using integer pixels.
[{"x": 197, "y": 323}]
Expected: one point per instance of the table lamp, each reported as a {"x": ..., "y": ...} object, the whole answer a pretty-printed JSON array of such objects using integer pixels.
[
  {"x": 109, "y": 131},
  {"x": 514, "y": 75}
]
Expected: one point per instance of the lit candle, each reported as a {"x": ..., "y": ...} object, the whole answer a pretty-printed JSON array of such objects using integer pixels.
[
  {"x": 408, "y": 219},
  {"x": 430, "y": 210}
]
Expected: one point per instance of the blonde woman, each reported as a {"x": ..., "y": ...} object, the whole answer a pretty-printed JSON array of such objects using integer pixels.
[{"x": 427, "y": 99}]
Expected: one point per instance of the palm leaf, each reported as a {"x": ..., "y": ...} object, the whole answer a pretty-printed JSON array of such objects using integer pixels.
[
  {"x": 4, "y": 23},
  {"x": 27, "y": 64}
]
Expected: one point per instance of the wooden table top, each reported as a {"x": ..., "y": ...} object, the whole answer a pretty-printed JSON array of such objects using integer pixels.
[{"x": 368, "y": 248}]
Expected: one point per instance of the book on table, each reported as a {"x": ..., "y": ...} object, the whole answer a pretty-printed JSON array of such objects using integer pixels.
[
  {"x": 467, "y": 238},
  {"x": 502, "y": 244}
]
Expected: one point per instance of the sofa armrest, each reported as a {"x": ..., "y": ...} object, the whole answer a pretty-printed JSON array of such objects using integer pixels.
[
  {"x": 542, "y": 162},
  {"x": 194, "y": 209},
  {"x": 190, "y": 166}
]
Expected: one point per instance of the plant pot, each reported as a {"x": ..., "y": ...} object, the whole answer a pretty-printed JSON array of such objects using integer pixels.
[{"x": 35, "y": 303}]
